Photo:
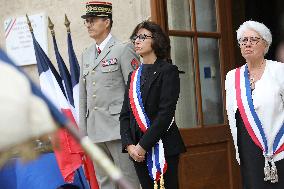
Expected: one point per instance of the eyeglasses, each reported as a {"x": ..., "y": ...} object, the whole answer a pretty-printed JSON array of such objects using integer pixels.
[
  {"x": 141, "y": 37},
  {"x": 89, "y": 21},
  {"x": 92, "y": 20},
  {"x": 253, "y": 40}
]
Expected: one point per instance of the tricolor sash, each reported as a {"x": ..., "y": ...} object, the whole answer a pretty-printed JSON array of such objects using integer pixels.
[
  {"x": 155, "y": 158},
  {"x": 254, "y": 126}
]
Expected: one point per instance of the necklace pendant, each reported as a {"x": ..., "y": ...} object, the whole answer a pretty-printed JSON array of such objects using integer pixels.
[
  {"x": 252, "y": 86},
  {"x": 252, "y": 82}
]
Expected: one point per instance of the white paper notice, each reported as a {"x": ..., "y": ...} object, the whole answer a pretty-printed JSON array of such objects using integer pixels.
[{"x": 19, "y": 43}]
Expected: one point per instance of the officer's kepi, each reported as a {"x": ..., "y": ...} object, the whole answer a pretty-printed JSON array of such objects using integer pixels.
[{"x": 98, "y": 9}]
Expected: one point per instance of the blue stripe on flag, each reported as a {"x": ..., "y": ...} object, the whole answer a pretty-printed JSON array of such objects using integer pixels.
[
  {"x": 64, "y": 73},
  {"x": 73, "y": 61},
  {"x": 43, "y": 63},
  {"x": 56, "y": 114}
]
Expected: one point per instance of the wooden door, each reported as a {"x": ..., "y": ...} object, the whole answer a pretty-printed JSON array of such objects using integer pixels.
[{"x": 202, "y": 48}]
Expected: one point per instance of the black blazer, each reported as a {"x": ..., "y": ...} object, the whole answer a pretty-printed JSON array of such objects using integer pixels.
[{"x": 160, "y": 95}]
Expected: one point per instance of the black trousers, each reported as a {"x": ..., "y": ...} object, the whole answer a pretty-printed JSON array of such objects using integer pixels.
[
  {"x": 170, "y": 177},
  {"x": 252, "y": 161}
]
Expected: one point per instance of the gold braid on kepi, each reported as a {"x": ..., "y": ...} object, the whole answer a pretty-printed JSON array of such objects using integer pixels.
[{"x": 98, "y": 9}]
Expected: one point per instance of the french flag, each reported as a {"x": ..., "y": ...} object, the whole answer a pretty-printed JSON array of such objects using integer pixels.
[
  {"x": 52, "y": 86},
  {"x": 67, "y": 140}
]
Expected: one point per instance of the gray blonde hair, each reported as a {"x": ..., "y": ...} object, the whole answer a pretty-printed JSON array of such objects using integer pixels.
[{"x": 260, "y": 28}]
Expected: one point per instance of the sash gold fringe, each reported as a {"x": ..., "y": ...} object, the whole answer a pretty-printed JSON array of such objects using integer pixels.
[
  {"x": 162, "y": 183},
  {"x": 155, "y": 185}
]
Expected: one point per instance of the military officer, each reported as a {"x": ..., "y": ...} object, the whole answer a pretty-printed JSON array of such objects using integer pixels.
[{"x": 105, "y": 66}]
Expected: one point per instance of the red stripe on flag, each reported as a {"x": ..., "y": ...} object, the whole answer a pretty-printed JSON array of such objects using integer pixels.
[
  {"x": 69, "y": 154},
  {"x": 68, "y": 162},
  {"x": 72, "y": 145},
  {"x": 90, "y": 173}
]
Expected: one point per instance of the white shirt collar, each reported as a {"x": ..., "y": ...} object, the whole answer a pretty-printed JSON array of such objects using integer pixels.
[{"x": 103, "y": 44}]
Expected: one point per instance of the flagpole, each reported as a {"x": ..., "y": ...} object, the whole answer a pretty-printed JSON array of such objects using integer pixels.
[
  {"x": 51, "y": 27},
  {"x": 67, "y": 24},
  {"x": 94, "y": 152}
]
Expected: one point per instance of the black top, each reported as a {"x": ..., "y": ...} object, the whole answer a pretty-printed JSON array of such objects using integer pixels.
[
  {"x": 145, "y": 74},
  {"x": 160, "y": 88},
  {"x": 252, "y": 161}
]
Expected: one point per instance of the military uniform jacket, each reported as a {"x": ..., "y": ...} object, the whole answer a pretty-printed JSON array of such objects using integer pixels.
[
  {"x": 159, "y": 95},
  {"x": 102, "y": 84}
]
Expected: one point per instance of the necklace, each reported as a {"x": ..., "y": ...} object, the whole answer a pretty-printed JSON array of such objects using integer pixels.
[
  {"x": 252, "y": 82},
  {"x": 252, "y": 77}
]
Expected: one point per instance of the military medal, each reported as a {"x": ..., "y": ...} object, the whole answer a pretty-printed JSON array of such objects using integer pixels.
[
  {"x": 254, "y": 126},
  {"x": 109, "y": 62},
  {"x": 156, "y": 162}
]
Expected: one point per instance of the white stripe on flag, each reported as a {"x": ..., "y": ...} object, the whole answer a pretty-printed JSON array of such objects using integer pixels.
[
  {"x": 47, "y": 87},
  {"x": 76, "y": 102}
]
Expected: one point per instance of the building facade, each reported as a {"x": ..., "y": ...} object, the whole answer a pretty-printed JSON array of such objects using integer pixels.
[
  {"x": 204, "y": 48},
  {"x": 126, "y": 15}
]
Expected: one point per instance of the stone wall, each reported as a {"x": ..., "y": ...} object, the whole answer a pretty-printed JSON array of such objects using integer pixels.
[{"x": 126, "y": 15}]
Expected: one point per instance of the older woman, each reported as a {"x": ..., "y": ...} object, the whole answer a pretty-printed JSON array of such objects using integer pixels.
[
  {"x": 255, "y": 108},
  {"x": 148, "y": 130}
]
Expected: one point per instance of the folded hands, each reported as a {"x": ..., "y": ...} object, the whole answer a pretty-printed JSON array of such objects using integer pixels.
[{"x": 136, "y": 152}]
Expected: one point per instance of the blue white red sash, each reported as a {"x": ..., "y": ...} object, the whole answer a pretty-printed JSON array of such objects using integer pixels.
[
  {"x": 156, "y": 162},
  {"x": 253, "y": 124}
]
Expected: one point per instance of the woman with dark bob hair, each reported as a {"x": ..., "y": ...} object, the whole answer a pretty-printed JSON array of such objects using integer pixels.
[{"x": 147, "y": 127}]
